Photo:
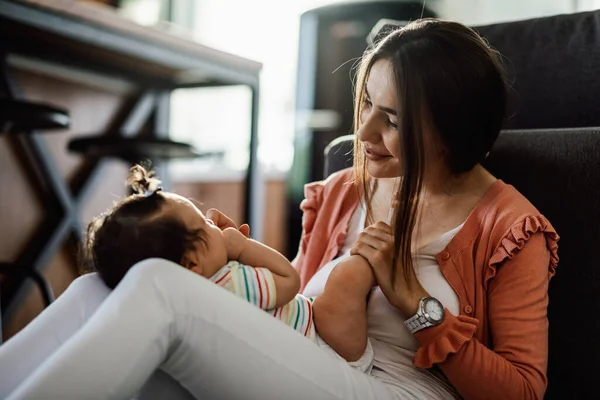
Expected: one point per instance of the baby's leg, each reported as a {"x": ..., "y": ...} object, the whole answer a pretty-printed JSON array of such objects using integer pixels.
[{"x": 340, "y": 313}]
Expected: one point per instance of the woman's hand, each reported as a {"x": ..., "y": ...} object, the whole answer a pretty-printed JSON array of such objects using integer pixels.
[
  {"x": 376, "y": 244},
  {"x": 223, "y": 221}
]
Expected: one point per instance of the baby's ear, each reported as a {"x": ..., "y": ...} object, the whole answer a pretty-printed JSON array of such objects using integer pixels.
[
  {"x": 197, "y": 269},
  {"x": 189, "y": 261}
]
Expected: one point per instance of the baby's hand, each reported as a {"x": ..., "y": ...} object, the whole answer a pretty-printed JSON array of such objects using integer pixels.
[
  {"x": 235, "y": 241},
  {"x": 223, "y": 221}
]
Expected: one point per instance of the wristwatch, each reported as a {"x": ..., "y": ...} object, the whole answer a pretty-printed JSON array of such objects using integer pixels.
[{"x": 430, "y": 313}]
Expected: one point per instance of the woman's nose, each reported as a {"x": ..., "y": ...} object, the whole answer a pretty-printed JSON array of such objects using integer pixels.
[{"x": 368, "y": 130}]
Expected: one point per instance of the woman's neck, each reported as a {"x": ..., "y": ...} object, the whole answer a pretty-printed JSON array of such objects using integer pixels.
[
  {"x": 445, "y": 191},
  {"x": 386, "y": 187},
  {"x": 472, "y": 183}
]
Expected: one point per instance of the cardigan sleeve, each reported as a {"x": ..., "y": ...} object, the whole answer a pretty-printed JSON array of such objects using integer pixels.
[
  {"x": 313, "y": 199},
  {"x": 515, "y": 365}
]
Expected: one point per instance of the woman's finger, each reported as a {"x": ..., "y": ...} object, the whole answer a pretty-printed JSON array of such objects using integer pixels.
[
  {"x": 362, "y": 249},
  {"x": 377, "y": 242},
  {"x": 381, "y": 266},
  {"x": 382, "y": 226},
  {"x": 377, "y": 258},
  {"x": 376, "y": 233}
]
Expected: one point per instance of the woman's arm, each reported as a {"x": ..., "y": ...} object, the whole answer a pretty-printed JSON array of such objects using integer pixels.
[
  {"x": 340, "y": 312},
  {"x": 517, "y": 310},
  {"x": 253, "y": 253},
  {"x": 517, "y": 313}
]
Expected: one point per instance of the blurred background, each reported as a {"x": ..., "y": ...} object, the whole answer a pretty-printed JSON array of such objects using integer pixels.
[
  {"x": 289, "y": 79},
  {"x": 307, "y": 48}
]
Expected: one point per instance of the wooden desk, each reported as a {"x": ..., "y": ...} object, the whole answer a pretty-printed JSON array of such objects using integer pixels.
[
  {"x": 98, "y": 38},
  {"x": 95, "y": 39}
]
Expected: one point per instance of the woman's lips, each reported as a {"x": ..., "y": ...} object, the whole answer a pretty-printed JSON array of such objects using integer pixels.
[{"x": 371, "y": 155}]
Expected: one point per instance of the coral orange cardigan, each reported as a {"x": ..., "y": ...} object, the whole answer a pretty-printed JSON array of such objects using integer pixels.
[{"x": 499, "y": 264}]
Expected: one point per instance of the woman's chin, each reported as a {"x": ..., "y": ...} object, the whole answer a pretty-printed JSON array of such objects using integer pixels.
[{"x": 382, "y": 171}]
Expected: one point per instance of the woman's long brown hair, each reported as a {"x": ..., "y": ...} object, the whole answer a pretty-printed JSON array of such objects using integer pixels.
[{"x": 445, "y": 73}]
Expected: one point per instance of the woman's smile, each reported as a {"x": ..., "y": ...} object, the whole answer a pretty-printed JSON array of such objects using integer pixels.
[{"x": 375, "y": 155}]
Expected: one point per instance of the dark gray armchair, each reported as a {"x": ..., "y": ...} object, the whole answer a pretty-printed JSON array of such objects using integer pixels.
[{"x": 559, "y": 172}]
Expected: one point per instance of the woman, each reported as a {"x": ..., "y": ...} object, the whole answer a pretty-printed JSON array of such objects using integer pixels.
[{"x": 463, "y": 247}]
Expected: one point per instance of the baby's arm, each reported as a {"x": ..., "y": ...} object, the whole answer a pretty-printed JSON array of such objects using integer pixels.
[
  {"x": 255, "y": 254},
  {"x": 340, "y": 312}
]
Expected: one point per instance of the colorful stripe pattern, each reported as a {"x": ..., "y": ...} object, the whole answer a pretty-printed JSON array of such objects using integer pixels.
[
  {"x": 257, "y": 286},
  {"x": 298, "y": 315}
]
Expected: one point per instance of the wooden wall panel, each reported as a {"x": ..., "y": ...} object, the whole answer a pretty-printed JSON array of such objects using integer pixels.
[
  {"x": 226, "y": 196},
  {"x": 91, "y": 111},
  {"x": 21, "y": 209},
  {"x": 275, "y": 224},
  {"x": 59, "y": 273},
  {"x": 107, "y": 191}
]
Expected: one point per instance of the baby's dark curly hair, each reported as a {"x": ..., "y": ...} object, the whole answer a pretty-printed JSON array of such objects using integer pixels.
[{"x": 134, "y": 230}]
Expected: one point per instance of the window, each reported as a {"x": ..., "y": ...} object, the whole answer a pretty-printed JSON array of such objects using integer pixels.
[
  {"x": 261, "y": 30},
  {"x": 216, "y": 121}
]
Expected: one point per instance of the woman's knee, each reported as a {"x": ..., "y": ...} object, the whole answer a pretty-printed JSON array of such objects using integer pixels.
[
  {"x": 150, "y": 268},
  {"x": 87, "y": 291},
  {"x": 157, "y": 273}
]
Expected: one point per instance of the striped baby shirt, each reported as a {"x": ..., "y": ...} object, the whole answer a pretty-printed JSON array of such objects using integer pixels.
[{"x": 257, "y": 286}]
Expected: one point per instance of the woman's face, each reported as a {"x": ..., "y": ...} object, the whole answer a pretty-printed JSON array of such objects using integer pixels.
[{"x": 378, "y": 130}]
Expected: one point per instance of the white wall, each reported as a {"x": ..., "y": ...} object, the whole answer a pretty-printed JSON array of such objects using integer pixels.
[
  {"x": 588, "y": 5},
  {"x": 480, "y": 12}
]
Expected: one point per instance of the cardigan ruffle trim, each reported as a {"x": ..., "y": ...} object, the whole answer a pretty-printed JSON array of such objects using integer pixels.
[
  {"x": 516, "y": 238},
  {"x": 440, "y": 341}
]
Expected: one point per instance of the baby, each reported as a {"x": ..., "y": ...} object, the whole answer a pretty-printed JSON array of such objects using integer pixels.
[{"x": 155, "y": 224}]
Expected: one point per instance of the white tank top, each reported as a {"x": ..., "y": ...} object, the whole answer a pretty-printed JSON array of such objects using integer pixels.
[{"x": 393, "y": 345}]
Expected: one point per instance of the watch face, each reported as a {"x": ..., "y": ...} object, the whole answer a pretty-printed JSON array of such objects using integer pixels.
[{"x": 434, "y": 310}]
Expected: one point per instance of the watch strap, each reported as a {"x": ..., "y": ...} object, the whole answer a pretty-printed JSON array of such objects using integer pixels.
[{"x": 417, "y": 322}]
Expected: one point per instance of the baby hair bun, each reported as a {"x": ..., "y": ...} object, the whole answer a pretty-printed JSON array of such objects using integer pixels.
[{"x": 143, "y": 181}]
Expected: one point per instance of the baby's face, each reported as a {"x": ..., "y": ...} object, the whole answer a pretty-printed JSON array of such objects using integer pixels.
[{"x": 209, "y": 257}]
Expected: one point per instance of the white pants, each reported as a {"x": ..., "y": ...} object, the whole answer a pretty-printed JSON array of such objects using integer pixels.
[
  {"x": 25, "y": 351},
  {"x": 92, "y": 344}
]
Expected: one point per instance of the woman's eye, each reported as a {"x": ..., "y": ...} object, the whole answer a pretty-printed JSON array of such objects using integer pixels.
[{"x": 392, "y": 125}]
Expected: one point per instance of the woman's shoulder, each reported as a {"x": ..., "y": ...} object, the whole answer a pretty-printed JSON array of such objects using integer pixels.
[
  {"x": 337, "y": 192},
  {"x": 337, "y": 183},
  {"x": 503, "y": 204},
  {"x": 509, "y": 220},
  {"x": 510, "y": 201},
  {"x": 337, "y": 179},
  {"x": 502, "y": 212}
]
